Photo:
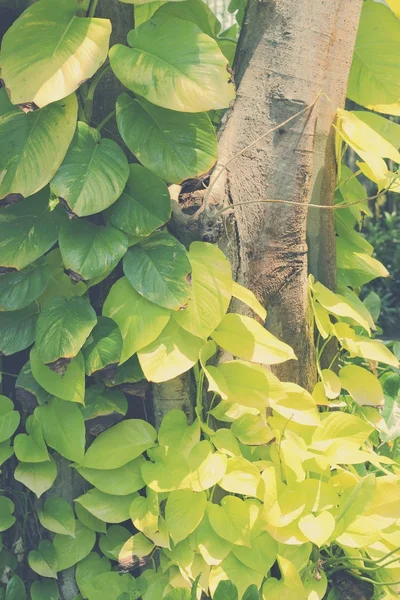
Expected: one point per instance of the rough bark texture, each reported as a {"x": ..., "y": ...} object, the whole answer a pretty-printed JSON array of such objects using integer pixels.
[{"x": 290, "y": 51}]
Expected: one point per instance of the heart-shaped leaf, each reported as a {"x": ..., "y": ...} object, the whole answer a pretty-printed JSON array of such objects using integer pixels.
[
  {"x": 139, "y": 320},
  {"x": 17, "y": 329},
  {"x": 158, "y": 269},
  {"x": 144, "y": 205},
  {"x": 211, "y": 290},
  {"x": 90, "y": 567},
  {"x": 63, "y": 428},
  {"x": 226, "y": 591},
  {"x": 93, "y": 173},
  {"x": 103, "y": 347},
  {"x": 101, "y": 402},
  {"x": 362, "y": 385},
  {"x": 183, "y": 512},
  {"x": 119, "y": 482},
  {"x": 62, "y": 328},
  {"x": 33, "y": 144},
  {"x": 172, "y": 144},
  {"x": 9, "y": 418},
  {"x": 107, "y": 507},
  {"x": 120, "y": 444},
  {"x": 174, "y": 352},
  {"x": 59, "y": 283},
  {"x": 68, "y": 386},
  {"x": 31, "y": 448},
  {"x": 57, "y": 516},
  {"x": 7, "y": 508},
  {"x": 71, "y": 550},
  {"x": 64, "y": 50},
  {"x": 19, "y": 289},
  {"x": 28, "y": 229},
  {"x": 38, "y": 477},
  {"x": 44, "y": 560},
  {"x": 318, "y": 529},
  {"x": 89, "y": 251},
  {"x": 189, "y": 63},
  {"x": 44, "y": 590},
  {"x": 89, "y": 520},
  {"x": 15, "y": 589}
]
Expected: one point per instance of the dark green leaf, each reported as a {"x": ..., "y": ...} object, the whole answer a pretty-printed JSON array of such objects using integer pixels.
[
  {"x": 93, "y": 174},
  {"x": 103, "y": 347},
  {"x": 7, "y": 508},
  {"x": 33, "y": 144},
  {"x": 62, "y": 328},
  {"x": 144, "y": 206},
  {"x": 158, "y": 269},
  {"x": 27, "y": 389},
  {"x": 174, "y": 145},
  {"x": 28, "y": 229},
  {"x": 9, "y": 418},
  {"x": 45, "y": 590},
  {"x": 18, "y": 289},
  {"x": 59, "y": 283},
  {"x": 17, "y": 329},
  {"x": 15, "y": 589},
  {"x": 226, "y": 591},
  {"x": 101, "y": 402}
]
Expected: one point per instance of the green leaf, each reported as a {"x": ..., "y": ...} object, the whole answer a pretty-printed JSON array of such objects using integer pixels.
[
  {"x": 5, "y": 453},
  {"x": 355, "y": 267},
  {"x": 207, "y": 468},
  {"x": 38, "y": 477},
  {"x": 129, "y": 372},
  {"x": 188, "y": 62},
  {"x": 261, "y": 555},
  {"x": 236, "y": 572},
  {"x": 373, "y": 78},
  {"x": 68, "y": 386},
  {"x": 44, "y": 590},
  {"x": 64, "y": 50},
  {"x": 89, "y": 568},
  {"x": 362, "y": 385},
  {"x": 71, "y": 550},
  {"x": 119, "y": 482},
  {"x": 216, "y": 381},
  {"x": 244, "y": 337},
  {"x": 33, "y": 144},
  {"x": 331, "y": 383},
  {"x": 7, "y": 508},
  {"x": 247, "y": 297},
  {"x": 138, "y": 546},
  {"x": 340, "y": 306},
  {"x": 145, "y": 512},
  {"x": 354, "y": 504},
  {"x": 89, "y": 251},
  {"x": 183, "y": 512},
  {"x": 247, "y": 384},
  {"x": 103, "y": 347},
  {"x": 144, "y": 205},
  {"x": 317, "y": 528},
  {"x": 241, "y": 477},
  {"x": 120, "y": 444},
  {"x": 193, "y": 11},
  {"x": 158, "y": 269},
  {"x": 226, "y": 590},
  {"x": 63, "y": 428},
  {"x": 175, "y": 432},
  {"x": 340, "y": 427},
  {"x": 211, "y": 546},
  {"x": 174, "y": 352},
  {"x": 31, "y": 448},
  {"x": 178, "y": 594},
  {"x": 17, "y": 329},
  {"x": 57, "y": 516},
  {"x": 211, "y": 290},
  {"x": 107, "y": 507},
  {"x": 44, "y": 560},
  {"x": 59, "y": 283},
  {"x": 110, "y": 586},
  {"x": 93, "y": 174},
  {"x": 172, "y": 144},
  {"x": 391, "y": 410},
  {"x": 168, "y": 472},
  {"x": 112, "y": 543},
  {"x": 139, "y": 320},
  {"x": 144, "y": 12},
  {"x": 89, "y": 520},
  {"x": 100, "y": 402},
  {"x": 232, "y": 520},
  {"x": 15, "y": 589},
  {"x": 62, "y": 328},
  {"x": 9, "y": 418},
  {"x": 19, "y": 289},
  {"x": 252, "y": 430},
  {"x": 251, "y": 593}
]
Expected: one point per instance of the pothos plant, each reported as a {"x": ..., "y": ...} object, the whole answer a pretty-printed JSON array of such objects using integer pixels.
[{"x": 272, "y": 491}]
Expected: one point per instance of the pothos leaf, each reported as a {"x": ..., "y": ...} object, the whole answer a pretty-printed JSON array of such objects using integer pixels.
[
  {"x": 19, "y": 289},
  {"x": 28, "y": 229},
  {"x": 89, "y": 251},
  {"x": 68, "y": 386},
  {"x": 17, "y": 329},
  {"x": 188, "y": 62},
  {"x": 103, "y": 347},
  {"x": 93, "y": 173},
  {"x": 158, "y": 269},
  {"x": 64, "y": 50},
  {"x": 38, "y": 477},
  {"x": 62, "y": 328},
  {"x": 144, "y": 205},
  {"x": 33, "y": 144},
  {"x": 71, "y": 550}
]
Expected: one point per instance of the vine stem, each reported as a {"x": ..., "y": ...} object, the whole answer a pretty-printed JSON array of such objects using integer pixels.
[
  {"x": 254, "y": 142},
  {"x": 105, "y": 120},
  {"x": 92, "y": 8}
]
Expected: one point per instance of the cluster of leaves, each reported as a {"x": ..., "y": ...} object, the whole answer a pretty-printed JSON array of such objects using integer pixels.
[{"x": 271, "y": 489}]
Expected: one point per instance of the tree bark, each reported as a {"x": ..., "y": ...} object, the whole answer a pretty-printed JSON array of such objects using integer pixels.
[{"x": 290, "y": 53}]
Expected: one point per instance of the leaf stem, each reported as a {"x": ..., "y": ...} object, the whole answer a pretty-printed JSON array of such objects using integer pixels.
[
  {"x": 92, "y": 8},
  {"x": 8, "y": 374},
  {"x": 105, "y": 120}
]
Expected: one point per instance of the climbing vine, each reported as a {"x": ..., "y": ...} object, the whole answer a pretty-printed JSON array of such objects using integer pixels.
[{"x": 272, "y": 491}]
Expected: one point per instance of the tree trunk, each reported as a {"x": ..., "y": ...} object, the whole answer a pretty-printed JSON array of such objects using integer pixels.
[{"x": 290, "y": 54}]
